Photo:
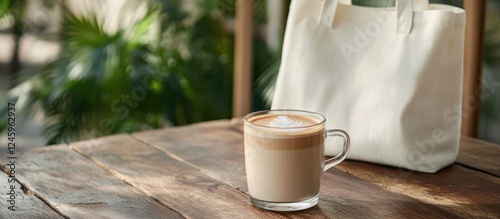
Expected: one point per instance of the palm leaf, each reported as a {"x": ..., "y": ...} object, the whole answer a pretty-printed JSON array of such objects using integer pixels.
[
  {"x": 183, "y": 74},
  {"x": 265, "y": 83},
  {"x": 93, "y": 70},
  {"x": 5, "y": 6}
]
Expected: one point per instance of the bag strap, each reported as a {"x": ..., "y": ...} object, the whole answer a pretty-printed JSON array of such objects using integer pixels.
[
  {"x": 404, "y": 12},
  {"x": 404, "y": 16}
]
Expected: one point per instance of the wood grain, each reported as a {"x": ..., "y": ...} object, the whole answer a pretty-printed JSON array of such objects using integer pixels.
[
  {"x": 237, "y": 124},
  {"x": 198, "y": 172},
  {"x": 79, "y": 189},
  {"x": 217, "y": 150},
  {"x": 171, "y": 182},
  {"x": 465, "y": 192},
  {"x": 480, "y": 155},
  {"x": 27, "y": 204},
  {"x": 189, "y": 144}
]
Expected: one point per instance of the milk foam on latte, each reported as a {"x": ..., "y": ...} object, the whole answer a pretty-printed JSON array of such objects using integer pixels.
[
  {"x": 285, "y": 122},
  {"x": 281, "y": 126}
]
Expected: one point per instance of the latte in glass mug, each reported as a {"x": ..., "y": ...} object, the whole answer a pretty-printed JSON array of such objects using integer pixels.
[{"x": 284, "y": 158}]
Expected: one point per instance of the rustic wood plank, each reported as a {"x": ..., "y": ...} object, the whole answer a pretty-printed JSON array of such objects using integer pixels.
[
  {"x": 237, "y": 124},
  {"x": 465, "y": 192},
  {"x": 189, "y": 144},
  {"x": 27, "y": 205},
  {"x": 171, "y": 182},
  {"x": 349, "y": 196},
  {"x": 217, "y": 150},
  {"x": 80, "y": 189},
  {"x": 480, "y": 155}
]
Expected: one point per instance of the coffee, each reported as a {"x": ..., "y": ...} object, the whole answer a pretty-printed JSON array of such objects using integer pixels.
[{"x": 284, "y": 156}]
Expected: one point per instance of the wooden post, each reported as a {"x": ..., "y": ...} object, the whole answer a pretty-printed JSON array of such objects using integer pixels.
[
  {"x": 474, "y": 33},
  {"x": 243, "y": 58}
]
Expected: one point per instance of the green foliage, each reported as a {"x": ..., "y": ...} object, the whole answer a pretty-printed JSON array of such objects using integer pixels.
[
  {"x": 4, "y": 7},
  {"x": 264, "y": 85},
  {"x": 170, "y": 67},
  {"x": 492, "y": 43},
  {"x": 491, "y": 73}
]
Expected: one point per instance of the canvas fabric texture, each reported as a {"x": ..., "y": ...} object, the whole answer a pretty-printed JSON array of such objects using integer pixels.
[{"x": 390, "y": 77}]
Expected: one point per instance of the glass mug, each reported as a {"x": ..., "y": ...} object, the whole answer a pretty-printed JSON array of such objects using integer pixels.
[{"x": 285, "y": 157}]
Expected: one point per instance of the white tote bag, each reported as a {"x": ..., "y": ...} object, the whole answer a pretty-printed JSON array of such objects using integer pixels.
[{"x": 390, "y": 77}]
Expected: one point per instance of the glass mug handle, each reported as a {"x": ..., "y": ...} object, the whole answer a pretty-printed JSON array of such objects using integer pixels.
[{"x": 345, "y": 148}]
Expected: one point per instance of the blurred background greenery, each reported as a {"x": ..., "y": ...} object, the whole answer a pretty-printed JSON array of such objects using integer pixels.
[{"x": 153, "y": 63}]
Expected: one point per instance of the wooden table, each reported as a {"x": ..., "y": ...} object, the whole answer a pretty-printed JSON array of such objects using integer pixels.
[{"x": 197, "y": 171}]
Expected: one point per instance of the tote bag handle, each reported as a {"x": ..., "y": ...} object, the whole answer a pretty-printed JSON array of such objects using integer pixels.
[{"x": 404, "y": 12}]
